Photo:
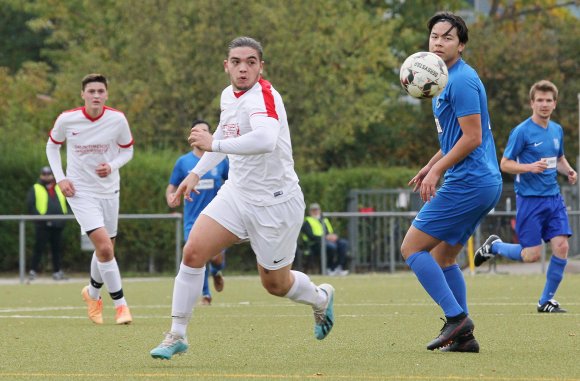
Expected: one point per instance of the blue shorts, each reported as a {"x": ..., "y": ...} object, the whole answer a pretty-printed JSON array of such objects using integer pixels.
[
  {"x": 540, "y": 218},
  {"x": 456, "y": 211}
]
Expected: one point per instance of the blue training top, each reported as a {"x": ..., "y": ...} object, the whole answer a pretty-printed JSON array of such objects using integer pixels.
[
  {"x": 465, "y": 95},
  {"x": 530, "y": 142},
  {"x": 208, "y": 187}
]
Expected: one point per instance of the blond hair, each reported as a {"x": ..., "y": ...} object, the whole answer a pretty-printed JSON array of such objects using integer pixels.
[{"x": 545, "y": 86}]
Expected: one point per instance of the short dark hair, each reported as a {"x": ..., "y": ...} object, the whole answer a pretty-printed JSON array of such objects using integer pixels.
[
  {"x": 545, "y": 86},
  {"x": 200, "y": 121},
  {"x": 456, "y": 21},
  {"x": 247, "y": 42},
  {"x": 94, "y": 77}
]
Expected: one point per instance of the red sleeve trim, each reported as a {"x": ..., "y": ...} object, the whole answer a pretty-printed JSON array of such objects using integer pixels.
[
  {"x": 268, "y": 99},
  {"x": 52, "y": 139},
  {"x": 126, "y": 145}
]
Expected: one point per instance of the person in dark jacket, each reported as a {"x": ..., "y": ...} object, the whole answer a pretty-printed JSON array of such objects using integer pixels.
[{"x": 45, "y": 198}]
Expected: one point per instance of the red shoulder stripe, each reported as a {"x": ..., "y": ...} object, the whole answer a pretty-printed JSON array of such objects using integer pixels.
[{"x": 268, "y": 98}]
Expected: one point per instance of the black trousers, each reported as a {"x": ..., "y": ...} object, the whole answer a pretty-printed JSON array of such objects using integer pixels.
[{"x": 47, "y": 234}]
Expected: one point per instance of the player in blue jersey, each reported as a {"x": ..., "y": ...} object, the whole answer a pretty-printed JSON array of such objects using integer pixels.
[
  {"x": 535, "y": 154},
  {"x": 471, "y": 187},
  {"x": 208, "y": 187}
]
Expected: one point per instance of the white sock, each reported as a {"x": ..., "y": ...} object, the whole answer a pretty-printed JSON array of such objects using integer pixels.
[
  {"x": 305, "y": 292},
  {"x": 94, "y": 292},
  {"x": 186, "y": 290},
  {"x": 112, "y": 279}
]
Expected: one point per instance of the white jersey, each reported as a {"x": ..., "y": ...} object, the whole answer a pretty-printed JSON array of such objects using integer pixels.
[
  {"x": 90, "y": 142},
  {"x": 260, "y": 179}
]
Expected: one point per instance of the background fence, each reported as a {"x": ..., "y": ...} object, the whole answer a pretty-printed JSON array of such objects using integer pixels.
[
  {"x": 375, "y": 225},
  {"x": 85, "y": 242},
  {"x": 377, "y": 221}
]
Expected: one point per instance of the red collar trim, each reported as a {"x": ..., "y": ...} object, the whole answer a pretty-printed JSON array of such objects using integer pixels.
[
  {"x": 90, "y": 117},
  {"x": 238, "y": 94}
]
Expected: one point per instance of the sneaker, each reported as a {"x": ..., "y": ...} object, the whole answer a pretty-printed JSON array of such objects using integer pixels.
[
  {"x": 205, "y": 300},
  {"x": 31, "y": 275},
  {"x": 218, "y": 281},
  {"x": 123, "y": 315},
  {"x": 551, "y": 306},
  {"x": 94, "y": 307},
  {"x": 324, "y": 317},
  {"x": 340, "y": 272},
  {"x": 59, "y": 275},
  {"x": 465, "y": 343},
  {"x": 451, "y": 332},
  {"x": 171, "y": 345},
  {"x": 484, "y": 252}
]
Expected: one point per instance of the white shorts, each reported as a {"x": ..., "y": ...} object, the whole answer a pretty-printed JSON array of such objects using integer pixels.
[
  {"x": 272, "y": 230},
  {"x": 93, "y": 213}
]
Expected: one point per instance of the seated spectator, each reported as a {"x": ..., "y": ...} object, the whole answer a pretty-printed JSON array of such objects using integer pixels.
[{"x": 315, "y": 225}]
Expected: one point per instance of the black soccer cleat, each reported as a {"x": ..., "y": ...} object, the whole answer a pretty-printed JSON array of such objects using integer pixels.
[
  {"x": 451, "y": 332},
  {"x": 484, "y": 252},
  {"x": 465, "y": 343},
  {"x": 551, "y": 306}
]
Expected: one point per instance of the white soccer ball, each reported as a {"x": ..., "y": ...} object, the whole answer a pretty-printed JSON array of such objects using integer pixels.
[{"x": 423, "y": 75}]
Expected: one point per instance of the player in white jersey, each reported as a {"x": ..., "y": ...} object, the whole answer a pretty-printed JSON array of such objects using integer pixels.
[
  {"x": 261, "y": 201},
  {"x": 99, "y": 142}
]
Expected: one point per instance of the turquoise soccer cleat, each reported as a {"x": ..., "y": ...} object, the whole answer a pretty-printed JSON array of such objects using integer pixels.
[
  {"x": 324, "y": 317},
  {"x": 171, "y": 345}
]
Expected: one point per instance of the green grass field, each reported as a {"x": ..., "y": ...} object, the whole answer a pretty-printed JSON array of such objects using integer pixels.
[{"x": 383, "y": 323}]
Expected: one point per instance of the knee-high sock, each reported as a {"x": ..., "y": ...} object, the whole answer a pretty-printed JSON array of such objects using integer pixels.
[
  {"x": 554, "y": 276},
  {"x": 433, "y": 281},
  {"x": 205, "y": 289},
  {"x": 96, "y": 279},
  {"x": 511, "y": 251},
  {"x": 305, "y": 292},
  {"x": 456, "y": 282},
  {"x": 217, "y": 268},
  {"x": 112, "y": 279},
  {"x": 186, "y": 290}
]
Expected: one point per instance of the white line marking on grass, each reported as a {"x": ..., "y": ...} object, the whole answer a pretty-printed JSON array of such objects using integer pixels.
[{"x": 276, "y": 376}]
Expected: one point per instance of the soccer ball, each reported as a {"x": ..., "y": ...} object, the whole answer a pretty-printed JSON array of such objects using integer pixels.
[{"x": 423, "y": 75}]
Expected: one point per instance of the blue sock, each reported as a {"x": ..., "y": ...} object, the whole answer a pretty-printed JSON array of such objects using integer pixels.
[
  {"x": 511, "y": 251},
  {"x": 433, "y": 281},
  {"x": 217, "y": 268},
  {"x": 456, "y": 282},
  {"x": 554, "y": 276},
  {"x": 205, "y": 290}
]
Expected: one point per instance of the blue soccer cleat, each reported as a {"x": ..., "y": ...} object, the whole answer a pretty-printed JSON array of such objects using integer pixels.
[
  {"x": 324, "y": 317},
  {"x": 171, "y": 345}
]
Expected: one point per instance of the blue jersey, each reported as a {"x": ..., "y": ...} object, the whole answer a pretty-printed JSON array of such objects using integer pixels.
[
  {"x": 530, "y": 142},
  {"x": 208, "y": 187},
  {"x": 465, "y": 95}
]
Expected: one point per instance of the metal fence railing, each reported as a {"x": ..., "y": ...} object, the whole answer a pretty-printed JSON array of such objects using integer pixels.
[
  {"x": 22, "y": 219},
  {"x": 376, "y": 237}
]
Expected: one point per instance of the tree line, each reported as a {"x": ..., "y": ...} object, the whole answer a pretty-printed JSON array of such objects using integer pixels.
[{"x": 334, "y": 61}]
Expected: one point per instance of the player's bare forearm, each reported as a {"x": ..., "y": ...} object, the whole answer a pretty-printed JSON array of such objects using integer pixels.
[{"x": 169, "y": 196}]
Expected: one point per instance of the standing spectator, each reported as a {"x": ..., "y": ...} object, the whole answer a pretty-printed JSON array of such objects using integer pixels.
[
  {"x": 535, "y": 155},
  {"x": 99, "y": 142},
  {"x": 207, "y": 187},
  {"x": 46, "y": 198},
  {"x": 314, "y": 227}
]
